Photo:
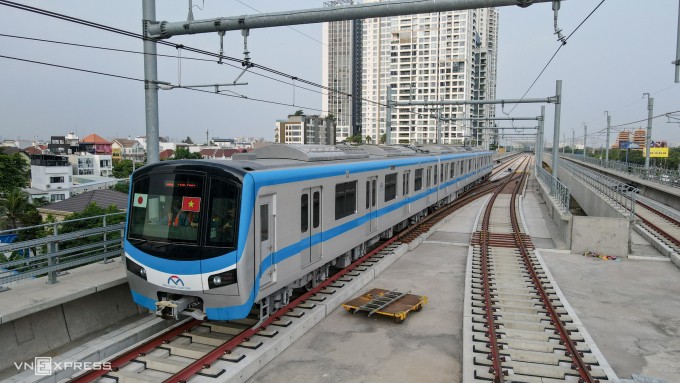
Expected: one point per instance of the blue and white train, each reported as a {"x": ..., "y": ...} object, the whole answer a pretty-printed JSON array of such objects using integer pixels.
[{"x": 221, "y": 238}]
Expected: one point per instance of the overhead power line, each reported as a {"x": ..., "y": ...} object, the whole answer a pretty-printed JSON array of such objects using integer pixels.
[
  {"x": 555, "y": 54},
  {"x": 177, "y": 46}
]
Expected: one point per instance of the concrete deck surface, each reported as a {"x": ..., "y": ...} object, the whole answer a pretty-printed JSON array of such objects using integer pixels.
[{"x": 631, "y": 308}]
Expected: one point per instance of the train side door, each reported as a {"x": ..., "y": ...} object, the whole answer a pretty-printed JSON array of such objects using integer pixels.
[
  {"x": 371, "y": 204},
  {"x": 428, "y": 185},
  {"x": 265, "y": 239},
  {"x": 311, "y": 224},
  {"x": 406, "y": 190}
]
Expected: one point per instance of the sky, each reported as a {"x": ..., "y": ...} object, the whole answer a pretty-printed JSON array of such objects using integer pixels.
[{"x": 623, "y": 50}]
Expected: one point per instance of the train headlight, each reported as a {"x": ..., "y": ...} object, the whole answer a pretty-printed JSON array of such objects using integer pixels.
[
  {"x": 222, "y": 279},
  {"x": 217, "y": 280},
  {"x": 135, "y": 268}
]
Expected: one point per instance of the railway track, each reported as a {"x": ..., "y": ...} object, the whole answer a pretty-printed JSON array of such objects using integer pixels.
[
  {"x": 666, "y": 229},
  {"x": 208, "y": 349},
  {"x": 517, "y": 329}
]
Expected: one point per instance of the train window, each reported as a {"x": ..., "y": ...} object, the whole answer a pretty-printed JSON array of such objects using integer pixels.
[
  {"x": 441, "y": 173},
  {"x": 435, "y": 174},
  {"x": 316, "y": 209},
  {"x": 418, "y": 181},
  {"x": 462, "y": 170},
  {"x": 264, "y": 223},
  {"x": 405, "y": 180},
  {"x": 428, "y": 176},
  {"x": 452, "y": 168},
  {"x": 304, "y": 212},
  {"x": 390, "y": 186},
  {"x": 345, "y": 199},
  {"x": 223, "y": 222},
  {"x": 167, "y": 208}
]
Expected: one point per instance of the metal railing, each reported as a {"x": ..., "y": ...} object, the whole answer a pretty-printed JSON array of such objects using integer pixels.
[
  {"x": 60, "y": 246},
  {"x": 558, "y": 190},
  {"x": 656, "y": 174},
  {"x": 623, "y": 195}
]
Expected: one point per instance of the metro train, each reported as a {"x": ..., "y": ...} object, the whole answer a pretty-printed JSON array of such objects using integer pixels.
[{"x": 224, "y": 238}]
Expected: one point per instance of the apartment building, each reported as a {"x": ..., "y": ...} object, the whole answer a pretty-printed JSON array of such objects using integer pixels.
[
  {"x": 303, "y": 129},
  {"x": 50, "y": 174},
  {"x": 425, "y": 57}
]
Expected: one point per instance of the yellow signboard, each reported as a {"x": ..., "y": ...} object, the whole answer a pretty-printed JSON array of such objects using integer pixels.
[{"x": 656, "y": 153}]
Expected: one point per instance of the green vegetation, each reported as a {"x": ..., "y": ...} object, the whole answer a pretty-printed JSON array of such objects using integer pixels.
[
  {"x": 14, "y": 172},
  {"x": 184, "y": 154}
]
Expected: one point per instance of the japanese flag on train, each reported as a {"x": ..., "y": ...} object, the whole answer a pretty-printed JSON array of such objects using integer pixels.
[
  {"x": 139, "y": 200},
  {"x": 191, "y": 204}
]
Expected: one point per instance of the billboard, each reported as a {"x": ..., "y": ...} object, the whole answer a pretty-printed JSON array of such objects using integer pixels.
[{"x": 656, "y": 152}]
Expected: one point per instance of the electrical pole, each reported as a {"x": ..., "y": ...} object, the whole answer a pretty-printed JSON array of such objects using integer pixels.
[
  {"x": 539, "y": 147},
  {"x": 388, "y": 118},
  {"x": 150, "y": 83},
  {"x": 650, "y": 111},
  {"x": 585, "y": 137},
  {"x": 609, "y": 124},
  {"x": 573, "y": 140},
  {"x": 677, "y": 50},
  {"x": 556, "y": 133}
]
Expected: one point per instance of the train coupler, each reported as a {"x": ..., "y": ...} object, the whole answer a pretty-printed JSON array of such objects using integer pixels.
[{"x": 171, "y": 309}]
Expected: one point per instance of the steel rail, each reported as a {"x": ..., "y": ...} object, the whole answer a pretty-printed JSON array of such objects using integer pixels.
[
  {"x": 662, "y": 232},
  {"x": 576, "y": 356},
  {"x": 494, "y": 347},
  {"x": 208, "y": 359},
  {"x": 121, "y": 360}
]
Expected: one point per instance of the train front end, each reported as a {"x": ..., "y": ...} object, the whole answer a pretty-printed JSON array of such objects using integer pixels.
[{"x": 185, "y": 240}]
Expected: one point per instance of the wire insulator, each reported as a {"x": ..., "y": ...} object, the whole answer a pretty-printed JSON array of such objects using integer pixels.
[{"x": 524, "y": 3}]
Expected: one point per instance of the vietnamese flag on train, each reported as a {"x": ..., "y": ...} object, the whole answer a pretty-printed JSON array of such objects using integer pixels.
[{"x": 191, "y": 204}]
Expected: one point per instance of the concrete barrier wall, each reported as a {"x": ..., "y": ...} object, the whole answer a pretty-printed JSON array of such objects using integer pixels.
[
  {"x": 604, "y": 230},
  {"x": 563, "y": 221},
  {"x": 591, "y": 202},
  {"x": 667, "y": 195},
  {"x": 608, "y": 236},
  {"x": 43, "y": 331}
]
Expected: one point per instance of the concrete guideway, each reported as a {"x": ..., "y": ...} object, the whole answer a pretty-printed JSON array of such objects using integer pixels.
[{"x": 428, "y": 346}]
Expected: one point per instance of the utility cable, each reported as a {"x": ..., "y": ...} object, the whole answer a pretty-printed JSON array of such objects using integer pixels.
[
  {"x": 167, "y": 43},
  {"x": 564, "y": 42}
]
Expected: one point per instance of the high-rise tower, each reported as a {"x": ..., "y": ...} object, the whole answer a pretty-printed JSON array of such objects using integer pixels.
[
  {"x": 342, "y": 72},
  {"x": 424, "y": 57}
]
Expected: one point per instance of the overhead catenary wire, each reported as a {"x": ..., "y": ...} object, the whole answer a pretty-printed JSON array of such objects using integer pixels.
[
  {"x": 174, "y": 45},
  {"x": 563, "y": 43}
]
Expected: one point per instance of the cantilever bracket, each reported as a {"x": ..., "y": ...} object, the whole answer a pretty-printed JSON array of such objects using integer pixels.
[{"x": 246, "y": 54}]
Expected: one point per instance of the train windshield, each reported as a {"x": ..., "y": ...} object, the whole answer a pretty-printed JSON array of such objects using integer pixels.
[{"x": 167, "y": 208}]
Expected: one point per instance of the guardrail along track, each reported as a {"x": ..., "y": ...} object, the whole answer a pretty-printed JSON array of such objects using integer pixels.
[{"x": 520, "y": 329}]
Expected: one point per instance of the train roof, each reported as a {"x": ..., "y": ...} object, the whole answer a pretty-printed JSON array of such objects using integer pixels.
[{"x": 285, "y": 155}]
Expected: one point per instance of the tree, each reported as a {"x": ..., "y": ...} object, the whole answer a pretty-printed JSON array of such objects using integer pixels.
[
  {"x": 299, "y": 112},
  {"x": 188, "y": 141},
  {"x": 368, "y": 140},
  {"x": 122, "y": 168},
  {"x": 14, "y": 172},
  {"x": 12, "y": 206},
  {"x": 92, "y": 210},
  {"x": 330, "y": 116},
  {"x": 123, "y": 187},
  {"x": 383, "y": 138},
  {"x": 184, "y": 154}
]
